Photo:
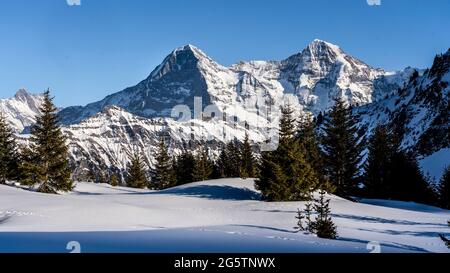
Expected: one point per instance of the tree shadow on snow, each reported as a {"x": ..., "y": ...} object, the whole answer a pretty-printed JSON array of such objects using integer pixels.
[
  {"x": 384, "y": 220},
  {"x": 4, "y": 218},
  {"x": 267, "y": 228},
  {"x": 214, "y": 192},
  {"x": 401, "y": 247},
  {"x": 406, "y": 232}
]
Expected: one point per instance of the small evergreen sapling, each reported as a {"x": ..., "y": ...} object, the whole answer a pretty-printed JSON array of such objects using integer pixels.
[
  {"x": 443, "y": 238},
  {"x": 322, "y": 225}
]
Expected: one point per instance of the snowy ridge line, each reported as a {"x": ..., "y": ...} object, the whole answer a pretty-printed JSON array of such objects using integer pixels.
[{"x": 102, "y": 134}]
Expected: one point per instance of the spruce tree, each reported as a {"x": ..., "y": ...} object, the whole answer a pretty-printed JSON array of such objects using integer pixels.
[
  {"x": 377, "y": 180},
  {"x": 309, "y": 142},
  {"x": 114, "y": 180},
  {"x": 342, "y": 149},
  {"x": 164, "y": 174},
  {"x": 8, "y": 153},
  {"x": 444, "y": 239},
  {"x": 184, "y": 167},
  {"x": 247, "y": 159},
  {"x": 444, "y": 189},
  {"x": 136, "y": 177},
  {"x": 233, "y": 167},
  {"x": 223, "y": 162},
  {"x": 407, "y": 180},
  {"x": 285, "y": 174},
  {"x": 102, "y": 178},
  {"x": 50, "y": 152},
  {"x": 203, "y": 167},
  {"x": 323, "y": 225},
  {"x": 28, "y": 167}
]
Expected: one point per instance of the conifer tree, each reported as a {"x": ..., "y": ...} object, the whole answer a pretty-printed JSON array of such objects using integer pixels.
[
  {"x": 444, "y": 239},
  {"x": 323, "y": 225},
  {"x": 164, "y": 174},
  {"x": 285, "y": 174},
  {"x": 223, "y": 162},
  {"x": 309, "y": 142},
  {"x": 343, "y": 149},
  {"x": 233, "y": 167},
  {"x": 247, "y": 159},
  {"x": 444, "y": 189},
  {"x": 203, "y": 167},
  {"x": 136, "y": 177},
  {"x": 114, "y": 180},
  {"x": 377, "y": 182},
  {"x": 27, "y": 167},
  {"x": 50, "y": 152},
  {"x": 272, "y": 182},
  {"x": 102, "y": 178},
  {"x": 407, "y": 180},
  {"x": 8, "y": 153},
  {"x": 184, "y": 167}
]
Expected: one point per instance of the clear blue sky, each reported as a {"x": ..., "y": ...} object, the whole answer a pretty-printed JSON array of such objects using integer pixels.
[{"x": 86, "y": 52}]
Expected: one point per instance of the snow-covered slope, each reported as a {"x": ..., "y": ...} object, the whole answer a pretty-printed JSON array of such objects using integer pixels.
[
  {"x": 20, "y": 111},
  {"x": 212, "y": 216}
]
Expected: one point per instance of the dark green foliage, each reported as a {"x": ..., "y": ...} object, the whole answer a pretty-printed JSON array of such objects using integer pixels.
[
  {"x": 136, "y": 174},
  {"x": 102, "y": 178},
  {"x": 343, "y": 149},
  {"x": 233, "y": 167},
  {"x": 164, "y": 174},
  {"x": 407, "y": 180},
  {"x": 247, "y": 159},
  {"x": 8, "y": 153},
  {"x": 28, "y": 167},
  {"x": 230, "y": 161},
  {"x": 304, "y": 221},
  {"x": 285, "y": 174},
  {"x": 222, "y": 163},
  {"x": 114, "y": 180},
  {"x": 322, "y": 225},
  {"x": 184, "y": 167},
  {"x": 444, "y": 189},
  {"x": 377, "y": 182},
  {"x": 48, "y": 156},
  {"x": 309, "y": 142},
  {"x": 203, "y": 166},
  {"x": 392, "y": 173}
]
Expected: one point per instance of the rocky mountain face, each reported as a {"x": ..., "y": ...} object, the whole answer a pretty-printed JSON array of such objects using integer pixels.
[
  {"x": 245, "y": 97},
  {"x": 20, "y": 111}
]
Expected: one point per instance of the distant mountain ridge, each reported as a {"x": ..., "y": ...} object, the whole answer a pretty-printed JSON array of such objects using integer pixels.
[{"x": 102, "y": 134}]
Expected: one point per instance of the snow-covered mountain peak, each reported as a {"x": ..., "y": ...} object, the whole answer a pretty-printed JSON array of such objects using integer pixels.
[
  {"x": 192, "y": 48},
  {"x": 185, "y": 58},
  {"x": 448, "y": 52},
  {"x": 21, "y": 110},
  {"x": 22, "y": 94},
  {"x": 320, "y": 47}
]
